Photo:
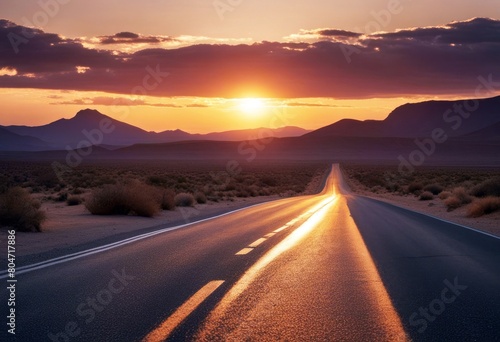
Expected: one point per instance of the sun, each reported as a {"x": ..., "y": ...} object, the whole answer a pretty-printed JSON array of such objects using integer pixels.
[{"x": 251, "y": 105}]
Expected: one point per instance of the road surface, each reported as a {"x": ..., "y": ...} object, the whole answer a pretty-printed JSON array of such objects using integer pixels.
[{"x": 329, "y": 267}]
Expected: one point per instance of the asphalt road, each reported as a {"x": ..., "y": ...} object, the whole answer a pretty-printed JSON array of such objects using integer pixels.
[{"x": 330, "y": 267}]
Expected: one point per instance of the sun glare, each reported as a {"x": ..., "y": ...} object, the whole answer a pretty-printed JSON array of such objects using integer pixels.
[{"x": 251, "y": 105}]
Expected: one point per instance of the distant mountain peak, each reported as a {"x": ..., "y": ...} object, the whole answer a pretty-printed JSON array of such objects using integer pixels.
[{"x": 89, "y": 113}]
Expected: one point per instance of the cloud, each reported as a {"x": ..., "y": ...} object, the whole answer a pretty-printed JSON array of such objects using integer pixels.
[
  {"x": 197, "y": 105},
  {"x": 132, "y": 38},
  {"x": 323, "y": 34},
  {"x": 129, "y": 42},
  {"x": 474, "y": 31},
  {"x": 338, "y": 33},
  {"x": 118, "y": 101},
  {"x": 337, "y": 64},
  {"x": 305, "y": 104}
]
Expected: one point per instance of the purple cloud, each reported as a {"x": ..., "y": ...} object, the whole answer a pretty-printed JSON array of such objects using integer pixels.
[{"x": 420, "y": 61}]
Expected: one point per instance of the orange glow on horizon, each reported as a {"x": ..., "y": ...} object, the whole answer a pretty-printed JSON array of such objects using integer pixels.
[
  {"x": 251, "y": 106},
  {"x": 191, "y": 114}
]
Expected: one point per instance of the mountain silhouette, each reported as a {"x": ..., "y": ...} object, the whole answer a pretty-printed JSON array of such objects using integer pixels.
[
  {"x": 490, "y": 133},
  {"x": 14, "y": 142},
  {"x": 90, "y": 126},
  {"x": 418, "y": 120},
  {"x": 70, "y": 132}
]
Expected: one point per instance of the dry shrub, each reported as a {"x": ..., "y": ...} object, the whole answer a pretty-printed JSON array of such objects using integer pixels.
[
  {"x": 491, "y": 187},
  {"x": 200, "y": 197},
  {"x": 167, "y": 199},
  {"x": 264, "y": 192},
  {"x": 61, "y": 197},
  {"x": 19, "y": 210},
  {"x": 452, "y": 203},
  {"x": 184, "y": 200},
  {"x": 426, "y": 196},
  {"x": 444, "y": 195},
  {"x": 119, "y": 199},
  {"x": 269, "y": 181},
  {"x": 458, "y": 198},
  {"x": 74, "y": 200},
  {"x": 435, "y": 189},
  {"x": 242, "y": 193},
  {"x": 415, "y": 187},
  {"x": 483, "y": 206},
  {"x": 77, "y": 191},
  {"x": 462, "y": 195}
]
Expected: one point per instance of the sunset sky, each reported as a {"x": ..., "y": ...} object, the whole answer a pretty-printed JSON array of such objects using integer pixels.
[{"x": 204, "y": 65}]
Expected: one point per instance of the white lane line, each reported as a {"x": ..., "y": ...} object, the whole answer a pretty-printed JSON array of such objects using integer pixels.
[
  {"x": 280, "y": 229},
  {"x": 244, "y": 251},
  {"x": 168, "y": 326},
  {"x": 289, "y": 242},
  {"x": 257, "y": 243},
  {"x": 304, "y": 216},
  {"x": 95, "y": 250}
]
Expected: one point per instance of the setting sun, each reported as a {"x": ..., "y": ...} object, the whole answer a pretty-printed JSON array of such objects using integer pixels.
[{"x": 251, "y": 105}]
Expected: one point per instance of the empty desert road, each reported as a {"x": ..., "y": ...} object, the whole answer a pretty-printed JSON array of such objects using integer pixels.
[{"x": 329, "y": 267}]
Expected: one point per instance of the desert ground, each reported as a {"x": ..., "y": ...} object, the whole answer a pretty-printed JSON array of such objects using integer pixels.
[
  {"x": 469, "y": 196},
  {"x": 210, "y": 188},
  {"x": 454, "y": 194}
]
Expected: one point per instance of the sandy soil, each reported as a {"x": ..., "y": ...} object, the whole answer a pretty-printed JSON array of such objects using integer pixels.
[{"x": 488, "y": 223}]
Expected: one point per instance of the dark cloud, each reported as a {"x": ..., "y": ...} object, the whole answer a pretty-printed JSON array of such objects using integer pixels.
[
  {"x": 132, "y": 38},
  {"x": 117, "y": 101},
  {"x": 474, "y": 31},
  {"x": 434, "y": 60},
  {"x": 32, "y": 51},
  {"x": 129, "y": 35},
  {"x": 337, "y": 33}
]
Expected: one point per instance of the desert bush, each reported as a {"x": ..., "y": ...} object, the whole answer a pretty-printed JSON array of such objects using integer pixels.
[
  {"x": 269, "y": 181},
  {"x": 77, "y": 191},
  {"x": 182, "y": 177},
  {"x": 462, "y": 195},
  {"x": 167, "y": 200},
  {"x": 426, "y": 196},
  {"x": 157, "y": 180},
  {"x": 184, "y": 200},
  {"x": 61, "y": 197},
  {"x": 253, "y": 190},
  {"x": 264, "y": 192},
  {"x": 242, "y": 193},
  {"x": 435, "y": 189},
  {"x": 491, "y": 187},
  {"x": 483, "y": 206},
  {"x": 452, "y": 203},
  {"x": 119, "y": 199},
  {"x": 415, "y": 187},
  {"x": 215, "y": 199},
  {"x": 200, "y": 197},
  {"x": 444, "y": 195},
  {"x": 74, "y": 200},
  {"x": 458, "y": 198},
  {"x": 48, "y": 179},
  {"x": 230, "y": 186},
  {"x": 19, "y": 210}
]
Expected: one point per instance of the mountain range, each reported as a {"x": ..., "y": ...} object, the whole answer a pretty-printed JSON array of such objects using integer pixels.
[
  {"x": 418, "y": 120},
  {"x": 471, "y": 125},
  {"x": 82, "y": 127}
]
